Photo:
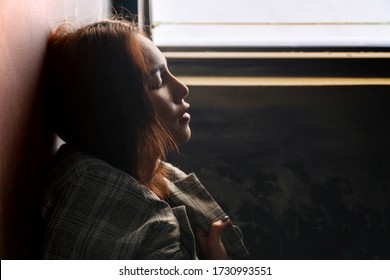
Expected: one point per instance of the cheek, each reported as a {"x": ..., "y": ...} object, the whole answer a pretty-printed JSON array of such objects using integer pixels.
[
  {"x": 163, "y": 106},
  {"x": 162, "y": 111}
]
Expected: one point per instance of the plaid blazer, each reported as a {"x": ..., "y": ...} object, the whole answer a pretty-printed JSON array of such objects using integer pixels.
[{"x": 92, "y": 210}]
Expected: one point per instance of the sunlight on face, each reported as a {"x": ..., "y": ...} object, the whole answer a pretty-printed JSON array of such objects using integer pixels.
[{"x": 168, "y": 94}]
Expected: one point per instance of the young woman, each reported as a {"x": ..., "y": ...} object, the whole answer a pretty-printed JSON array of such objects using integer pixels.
[{"x": 109, "y": 194}]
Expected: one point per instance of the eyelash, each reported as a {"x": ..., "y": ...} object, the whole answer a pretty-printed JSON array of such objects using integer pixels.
[{"x": 158, "y": 81}]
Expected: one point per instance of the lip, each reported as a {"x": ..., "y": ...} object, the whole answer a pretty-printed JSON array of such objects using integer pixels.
[{"x": 186, "y": 117}]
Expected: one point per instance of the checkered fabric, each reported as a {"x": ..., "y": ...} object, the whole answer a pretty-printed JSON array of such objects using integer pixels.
[{"x": 92, "y": 210}]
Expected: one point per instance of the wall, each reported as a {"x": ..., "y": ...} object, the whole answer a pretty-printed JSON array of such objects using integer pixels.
[
  {"x": 303, "y": 170},
  {"x": 24, "y": 142}
]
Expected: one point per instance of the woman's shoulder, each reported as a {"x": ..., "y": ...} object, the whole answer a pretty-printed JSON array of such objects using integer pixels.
[
  {"x": 71, "y": 164},
  {"x": 76, "y": 177}
]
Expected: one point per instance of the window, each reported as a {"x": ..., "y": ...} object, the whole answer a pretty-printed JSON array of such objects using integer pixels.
[
  {"x": 260, "y": 42},
  {"x": 257, "y": 23}
]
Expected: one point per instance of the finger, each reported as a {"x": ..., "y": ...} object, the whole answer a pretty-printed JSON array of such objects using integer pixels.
[{"x": 216, "y": 229}]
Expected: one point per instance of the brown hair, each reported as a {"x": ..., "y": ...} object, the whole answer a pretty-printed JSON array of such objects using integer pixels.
[{"x": 97, "y": 88}]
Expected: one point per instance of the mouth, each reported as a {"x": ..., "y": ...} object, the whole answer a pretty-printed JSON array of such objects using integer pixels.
[{"x": 186, "y": 117}]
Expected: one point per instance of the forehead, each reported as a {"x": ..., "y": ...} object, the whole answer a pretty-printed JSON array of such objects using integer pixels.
[{"x": 152, "y": 53}]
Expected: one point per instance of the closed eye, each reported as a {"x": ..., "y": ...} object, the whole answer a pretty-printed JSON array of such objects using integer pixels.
[
  {"x": 156, "y": 74},
  {"x": 159, "y": 68}
]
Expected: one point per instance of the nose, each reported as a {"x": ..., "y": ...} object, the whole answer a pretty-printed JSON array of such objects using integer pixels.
[{"x": 179, "y": 89}]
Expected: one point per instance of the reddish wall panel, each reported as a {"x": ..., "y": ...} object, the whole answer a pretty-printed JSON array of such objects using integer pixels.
[{"x": 24, "y": 140}]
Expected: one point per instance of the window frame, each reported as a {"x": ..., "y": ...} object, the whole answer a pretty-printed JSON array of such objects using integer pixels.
[{"x": 284, "y": 62}]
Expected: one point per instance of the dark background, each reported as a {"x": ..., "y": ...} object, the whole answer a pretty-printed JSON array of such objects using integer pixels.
[{"x": 304, "y": 171}]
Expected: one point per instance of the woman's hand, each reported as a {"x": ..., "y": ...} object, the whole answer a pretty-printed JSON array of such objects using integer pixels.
[{"x": 211, "y": 244}]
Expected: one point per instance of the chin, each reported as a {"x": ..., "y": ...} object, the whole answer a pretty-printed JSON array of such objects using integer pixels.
[{"x": 183, "y": 137}]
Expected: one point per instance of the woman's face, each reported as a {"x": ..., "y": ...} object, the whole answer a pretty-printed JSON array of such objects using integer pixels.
[{"x": 168, "y": 94}]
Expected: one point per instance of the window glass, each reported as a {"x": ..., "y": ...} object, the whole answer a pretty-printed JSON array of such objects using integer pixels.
[{"x": 271, "y": 23}]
